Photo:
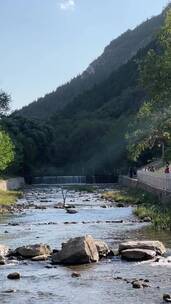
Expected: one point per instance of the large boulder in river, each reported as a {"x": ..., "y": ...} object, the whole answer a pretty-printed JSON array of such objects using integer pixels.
[
  {"x": 102, "y": 248},
  {"x": 31, "y": 251},
  {"x": 76, "y": 251},
  {"x": 156, "y": 246},
  {"x": 138, "y": 254}
]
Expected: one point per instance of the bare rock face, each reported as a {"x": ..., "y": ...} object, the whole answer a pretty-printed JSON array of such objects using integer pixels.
[
  {"x": 138, "y": 254},
  {"x": 76, "y": 251},
  {"x": 31, "y": 251},
  {"x": 156, "y": 246},
  {"x": 4, "y": 250},
  {"x": 102, "y": 248}
]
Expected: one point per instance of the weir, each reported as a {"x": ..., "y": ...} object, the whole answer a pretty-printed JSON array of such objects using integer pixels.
[
  {"x": 60, "y": 180},
  {"x": 69, "y": 180}
]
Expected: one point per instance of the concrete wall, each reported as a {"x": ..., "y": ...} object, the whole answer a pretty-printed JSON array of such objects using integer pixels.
[
  {"x": 160, "y": 181},
  {"x": 12, "y": 184},
  {"x": 162, "y": 194}
]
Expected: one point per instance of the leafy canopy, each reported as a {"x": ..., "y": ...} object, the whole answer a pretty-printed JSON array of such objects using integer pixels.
[
  {"x": 6, "y": 145},
  {"x": 153, "y": 122},
  {"x": 5, "y": 100},
  {"x": 6, "y": 151}
]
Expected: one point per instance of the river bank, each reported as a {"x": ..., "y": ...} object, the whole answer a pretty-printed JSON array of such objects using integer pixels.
[
  {"x": 147, "y": 206},
  {"x": 108, "y": 281},
  {"x": 8, "y": 200}
]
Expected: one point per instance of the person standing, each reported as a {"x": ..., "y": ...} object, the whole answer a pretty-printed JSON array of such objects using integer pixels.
[{"x": 167, "y": 169}]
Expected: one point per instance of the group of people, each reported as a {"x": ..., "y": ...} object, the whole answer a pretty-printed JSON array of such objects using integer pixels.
[
  {"x": 153, "y": 169},
  {"x": 150, "y": 169},
  {"x": 133, "y": 171}
]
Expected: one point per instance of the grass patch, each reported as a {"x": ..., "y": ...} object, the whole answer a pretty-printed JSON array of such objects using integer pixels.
[
  {"x": 147, "y": 205},
  {"x": 9, "y": 197},
  {"x": 161, "y": 218},
  {"x": 118, "y": 196}
]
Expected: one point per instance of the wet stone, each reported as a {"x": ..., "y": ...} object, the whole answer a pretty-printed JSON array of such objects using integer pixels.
[
  {"x": 75, "y": 275},
  {"x": 167, "y": 298},
  {"x": 14, "y": 276},
  {"x": 2, "y": 261},
  {"x": 71, "y": 211},
  {"x": 137, "y": 284},
  {"x": 10, "y": 291}
]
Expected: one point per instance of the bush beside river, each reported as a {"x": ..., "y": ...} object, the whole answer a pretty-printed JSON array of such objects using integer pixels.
[{"x": 7, "y": 199}]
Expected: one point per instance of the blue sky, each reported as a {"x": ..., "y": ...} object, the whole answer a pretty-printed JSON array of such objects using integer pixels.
[{"x": 45, "y": 43}]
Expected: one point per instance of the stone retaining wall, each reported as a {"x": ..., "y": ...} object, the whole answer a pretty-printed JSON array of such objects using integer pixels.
[{"x": 12, "y": 184}]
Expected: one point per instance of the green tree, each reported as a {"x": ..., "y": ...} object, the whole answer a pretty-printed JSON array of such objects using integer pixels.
[
  {"x": 6, "y": 151},
  {"x": 6, "y": 145},
  {"x": 152, "y": 125},
  {"x": 5, "y": 100}
]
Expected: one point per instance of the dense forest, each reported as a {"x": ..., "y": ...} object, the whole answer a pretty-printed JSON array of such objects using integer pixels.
[{"x": 105, "y": 127}]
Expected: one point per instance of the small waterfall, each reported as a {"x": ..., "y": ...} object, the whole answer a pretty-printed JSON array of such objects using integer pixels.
[{"x": 60, "y": 180}]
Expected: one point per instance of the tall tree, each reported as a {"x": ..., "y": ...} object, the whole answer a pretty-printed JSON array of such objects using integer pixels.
[
  {"x": 6, "y": 145},
  {"x": 153, "y": 122},
  {"x": 6, "y": 151},
  {"x": 5, "y": 100}
]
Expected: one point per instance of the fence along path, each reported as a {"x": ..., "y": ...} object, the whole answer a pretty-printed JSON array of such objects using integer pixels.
[{"x": 161, "y": 181}]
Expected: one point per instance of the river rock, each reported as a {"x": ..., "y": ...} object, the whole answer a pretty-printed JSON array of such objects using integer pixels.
[
  {"x": 156, "y": 246},
  {"x": 79, "y": 250},
  {"x": 167, "y": 298},
  {"x": 31, "y": 251},
  {"x": 137, "y": 254},
  {"x": 2, "y": 260},
  {"x": 75, "y": 275},
  {"x": 147, "y": 219},
  {"x": 71, "y": 211},
  {"x": 137, "y": 284},
  {"x": 4, "y": 250},
  {"x": 102, "y": 248},
  {"x": 120, "y": 205},
  {"x": 40, "y": 258},
  {"x": 70, "y": 206},
  {"x": 59, "y": 206},
  {"x": 14, "y": 276},
  {"x": 10, "y": 291}
]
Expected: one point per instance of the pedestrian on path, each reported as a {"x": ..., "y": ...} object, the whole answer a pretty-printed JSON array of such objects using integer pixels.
[{"x": 167, "y": 169}]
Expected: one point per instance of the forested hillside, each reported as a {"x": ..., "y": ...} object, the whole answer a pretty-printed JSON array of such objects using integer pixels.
[
  {"x": 88, "y": 135},
  {"x": 116, "y": 54},
  {"x": 91, "y": 133}
]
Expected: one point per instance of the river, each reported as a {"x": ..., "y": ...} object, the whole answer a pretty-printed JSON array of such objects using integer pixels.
[{"x": 42, "y": 283}]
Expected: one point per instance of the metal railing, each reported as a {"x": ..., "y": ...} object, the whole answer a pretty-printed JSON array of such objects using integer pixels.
[{"x": 155, "y": 180}]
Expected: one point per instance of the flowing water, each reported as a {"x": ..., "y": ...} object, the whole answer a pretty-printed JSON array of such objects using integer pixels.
[{"x": 41, "y": 284}]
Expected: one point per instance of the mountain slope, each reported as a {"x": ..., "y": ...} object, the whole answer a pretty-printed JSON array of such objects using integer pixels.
[
  {"x": 116, "y": 54},
  {"x": 89, "y": 133}
]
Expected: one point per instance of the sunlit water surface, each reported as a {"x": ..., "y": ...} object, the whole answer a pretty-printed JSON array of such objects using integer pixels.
[{"x": 96, "y": 284}]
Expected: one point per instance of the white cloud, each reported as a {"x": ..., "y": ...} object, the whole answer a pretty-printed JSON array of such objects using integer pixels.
[{"x": 67, "y": 5}]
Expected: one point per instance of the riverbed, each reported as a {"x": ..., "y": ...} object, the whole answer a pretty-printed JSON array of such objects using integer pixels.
[{"x": 103, "y": 282}]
